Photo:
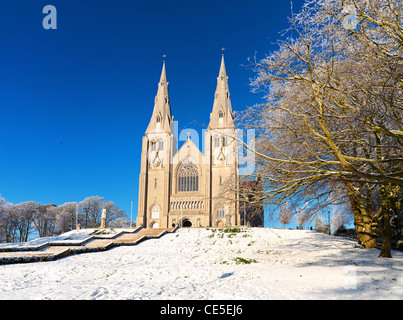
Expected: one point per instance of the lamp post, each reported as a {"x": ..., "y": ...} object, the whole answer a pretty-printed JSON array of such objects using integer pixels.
[{"x": 328, "y": 220}]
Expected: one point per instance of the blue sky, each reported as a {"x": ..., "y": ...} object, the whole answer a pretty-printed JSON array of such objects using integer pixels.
[{"x": 75, "y": 102}]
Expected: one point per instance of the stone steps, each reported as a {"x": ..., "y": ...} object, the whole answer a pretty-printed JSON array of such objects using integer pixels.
[
  {"x": 127, "y": 238},
  {"x": 25, "y": 254},
  {"x": 58, "y": 249},
  {"x": 98, "y": 243},
  {"x": 54, "y": 251}
]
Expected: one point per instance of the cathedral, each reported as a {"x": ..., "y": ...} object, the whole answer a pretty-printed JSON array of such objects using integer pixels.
[{"x": 186, "y": 187}]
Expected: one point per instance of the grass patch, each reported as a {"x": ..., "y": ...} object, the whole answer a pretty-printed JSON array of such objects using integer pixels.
[
  {"x": 229, "y": 232},
  {"x": 102, "y": 231},
  {"x": 110, "y": 274},
  {"x": 232, "y": 230},
  {"x": 251, "y": 243},
  {"x": 239, "y": 260}
]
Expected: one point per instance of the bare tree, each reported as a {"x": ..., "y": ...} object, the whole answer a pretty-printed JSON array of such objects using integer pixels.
[
  {"x": 17, "y": 222},
  {"x": 114, "y": 214},
  {"x": 333, "y": 116},
  {"x": 62, "y": 220},
  {"x": 285, "y": 214},
  {"x": 340, "y": 218},
  {"x": 22, "y": 215},
  {"x": 44, "y": 219},
  {"x": 8, "y": 227},
  {"x": 302, "y": 216},
  {"x": 92, "y": 207},
  {"x": 69, "y": 213}
]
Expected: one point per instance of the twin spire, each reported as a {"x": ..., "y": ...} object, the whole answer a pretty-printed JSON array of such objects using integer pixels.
[
  {"x": 161, "y": 118},
  {"x": 221, "y": 116}
]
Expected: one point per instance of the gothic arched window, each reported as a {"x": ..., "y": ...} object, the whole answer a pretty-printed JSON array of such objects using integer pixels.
[
  {"x": 155, "y": 212},
  {"x": 220, "y": 211},
  {"x": 216, "y": 142},
  {"x": 188, "y": 178}
]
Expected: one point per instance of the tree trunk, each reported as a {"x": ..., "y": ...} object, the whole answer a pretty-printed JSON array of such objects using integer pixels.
[
  {"x": 390, "y": 203},
  {"x": 386, "y": 235},
  {"x": 362, "y": 221}
]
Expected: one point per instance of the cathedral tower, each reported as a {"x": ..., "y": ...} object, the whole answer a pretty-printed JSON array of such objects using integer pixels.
[
  {"x": 158, "y": 146},
  {"x": 222, "y": 148}
]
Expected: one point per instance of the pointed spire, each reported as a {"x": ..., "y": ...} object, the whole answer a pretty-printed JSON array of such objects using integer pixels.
[
  {"x": 222, "y": 73},
  {"x": 163, "y": 78},
  {"x": 222, "y": 115},
  {"x": 161, "y": 118}
]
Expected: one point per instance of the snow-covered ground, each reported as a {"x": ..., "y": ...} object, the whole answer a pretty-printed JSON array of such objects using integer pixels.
[{"x": 209, "y": 264}]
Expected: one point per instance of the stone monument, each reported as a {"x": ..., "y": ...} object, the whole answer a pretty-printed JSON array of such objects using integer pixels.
[{"x": 103, "y": 219}]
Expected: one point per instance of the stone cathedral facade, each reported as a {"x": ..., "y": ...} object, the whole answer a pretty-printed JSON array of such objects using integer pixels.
[{"x": 186, "y": 187}]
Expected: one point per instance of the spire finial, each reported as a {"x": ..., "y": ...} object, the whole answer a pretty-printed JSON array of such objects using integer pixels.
[
  {"x": 163, "y": 78},
  {"x": 164, "y": 56},
  {"x": 222, "y": 50}
]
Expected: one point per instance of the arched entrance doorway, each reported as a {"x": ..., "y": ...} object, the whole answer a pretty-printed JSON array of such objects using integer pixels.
[
  {"x": 155, "y": 225},
  {"x": 220, "y": 224},
  {"x": 186, "y": 223}
]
